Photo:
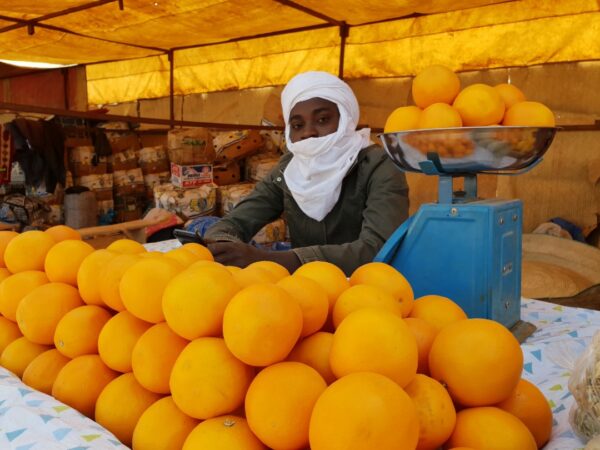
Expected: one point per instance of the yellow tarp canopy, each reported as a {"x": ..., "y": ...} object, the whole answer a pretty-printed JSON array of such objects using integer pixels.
[{"x": 386, "y": 39}]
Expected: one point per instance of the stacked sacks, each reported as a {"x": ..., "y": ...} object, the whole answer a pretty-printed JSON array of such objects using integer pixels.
[{"x": 154, "y": 163}]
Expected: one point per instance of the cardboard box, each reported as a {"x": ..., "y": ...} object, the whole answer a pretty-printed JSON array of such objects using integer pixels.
[{"x": 191, "y": 176}]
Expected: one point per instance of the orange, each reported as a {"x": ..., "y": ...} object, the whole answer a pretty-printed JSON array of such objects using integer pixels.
[
  {"x": 194, "y": 301},
  {"x": 184, "y": 257},
  {"x": 403, "y": 118},
  {"x": 425, "y": 334},
  {"x": 154, "y": 355},
  {"x": 223, "y": 433},
  {"x": 27, "y": 251},
  {"x": 435, "y": 410},
  {"x": 439, "y": 115},
  {"x": 4, "y": 273},
  {"x": 374, "y": 340},
  {"x": 77, "y": 332},
  {"x": 490, "y": 428},
  {"x": 201, "y": 252},
  {"x": 19, "y": 353},
  {"x": 62, "y": 233},
  {"x": 118, "y": 338},
  {"x": 364, "y": 296},
  {"x": 364, "y": 411},
  {"x": 387, "y": 278},
  {"x": 435, "y": 84},
  {"x": 162, "y": 427},
  {"x": 126, "y": 246},
  {"x": 5, "y": 238},
  {"x": 110, "y": 280},
  {"x": 261, "y": 324},
  {"x": 510, "y": 94},
  {"x": 277, "y": 270},
  {"x": 329, "y": 276},
  {"x": 279, "y": 403},
  {"x": 207, "y": 380},
  {"x": 64, "y": 259},
  {"x": 142, "y": 286},
  {"x": 528, "y": 114},
  {"x": 17, "y": 286},
  {"x": 233, "y": 269},
  {"x": 120, "y": 405},
  {"x": 314, "y": 352},
  {"x": 9, "y": 331},
  {"x": 43, "y": 370},
  {"x": 80, "y": 382},
  {"x": 437, "y": 311},
  {"x": 40, "y": 311},
  {"x": 528, "y": 404},
  {"x": 88, "y": 276},
  {"x": 479, "y": 105},
  {"x": 312, "y": 300},
  {"x": 478, "y": 360},
  {"x": 253, "y": 275}
]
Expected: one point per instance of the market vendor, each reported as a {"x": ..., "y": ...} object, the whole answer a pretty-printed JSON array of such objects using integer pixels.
[{"x": 339, "y": 193}]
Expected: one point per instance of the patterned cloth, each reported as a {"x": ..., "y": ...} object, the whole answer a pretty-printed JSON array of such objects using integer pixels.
[
  {"x": 563, "y": 334},
  {"x": 30, "y": 420}
]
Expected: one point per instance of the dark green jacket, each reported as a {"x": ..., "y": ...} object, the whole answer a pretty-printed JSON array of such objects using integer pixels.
[{"x": 373, "y": 203}]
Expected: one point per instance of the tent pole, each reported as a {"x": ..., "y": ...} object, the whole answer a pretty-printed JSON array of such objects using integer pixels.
[
  {"x": 344, "y": 31},
  {"x": 65, "y": 74},
  {"x": 171, "y": 88}
]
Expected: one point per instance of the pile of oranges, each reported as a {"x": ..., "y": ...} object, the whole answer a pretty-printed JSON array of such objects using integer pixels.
[
  {"x": 174, "y": 350},
  {"x": 440, "y": 103}
]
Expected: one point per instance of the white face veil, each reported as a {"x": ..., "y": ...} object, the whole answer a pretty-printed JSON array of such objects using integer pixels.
[{"x": 315, "y": 173}]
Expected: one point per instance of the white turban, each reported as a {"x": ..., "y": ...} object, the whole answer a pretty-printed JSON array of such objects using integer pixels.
[{"x": 317, "y": 170}]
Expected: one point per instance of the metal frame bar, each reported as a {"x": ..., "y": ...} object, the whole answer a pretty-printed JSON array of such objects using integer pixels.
[
  {"x": 15, "y": 107},
  {"x": 310, "y": 12}
]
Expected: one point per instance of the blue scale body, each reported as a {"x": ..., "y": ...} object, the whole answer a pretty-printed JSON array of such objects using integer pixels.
[{"x": 469, "y": 252}]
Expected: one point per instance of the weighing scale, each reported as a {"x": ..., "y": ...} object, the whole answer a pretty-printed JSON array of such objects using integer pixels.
[{"x": 462, "y": 247}]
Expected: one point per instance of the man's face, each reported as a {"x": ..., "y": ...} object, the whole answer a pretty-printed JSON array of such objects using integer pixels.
[{"x": 313, "y": 118}]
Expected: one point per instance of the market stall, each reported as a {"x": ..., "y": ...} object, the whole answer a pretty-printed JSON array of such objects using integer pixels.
[{"x": 171, "y": 119}]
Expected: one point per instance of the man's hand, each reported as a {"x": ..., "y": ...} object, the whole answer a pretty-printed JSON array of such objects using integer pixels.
[
  {"x": 241, "y": 255},
  {"x": 236, "y": 253}
]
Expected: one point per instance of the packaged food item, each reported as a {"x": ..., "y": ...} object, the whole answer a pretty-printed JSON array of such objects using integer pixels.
[
  {"x": 584, "y": 384},
  {"x": 153, "y": 159},
  {"x": 237, "y": 144},
  {"x": 192, "y": 175},
  {"x": 231, "y": 195},
  {"x": 129, "y": 182},
  {"x": 125, "y": 160},
  {"x": 259, "y": 166},
  {"x": 101, "y": 185},
  {"x": 226, "y": 172},
  {"x": 155, "y": 179},
  {"x": 271, "y": 232},
  {"x": 188, "y": 146},
  {"x": 187, "y": 203}
]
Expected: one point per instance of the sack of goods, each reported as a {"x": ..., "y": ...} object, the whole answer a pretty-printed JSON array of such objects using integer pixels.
[
  {"x": 237, "y": 144},
  {"x": 101, "y": 185},
  {"x": 187, "y": 203},
  {"x": 153, "y": 159},
  {"x": 231, "y": 195},
  {"x": 128, "y": 182},
  {"x": 187, "y": 146},
  {"x": 271, "y": 232},
  {"x": 259, "y": 166},
  {"x": 125, "y": 160}
]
